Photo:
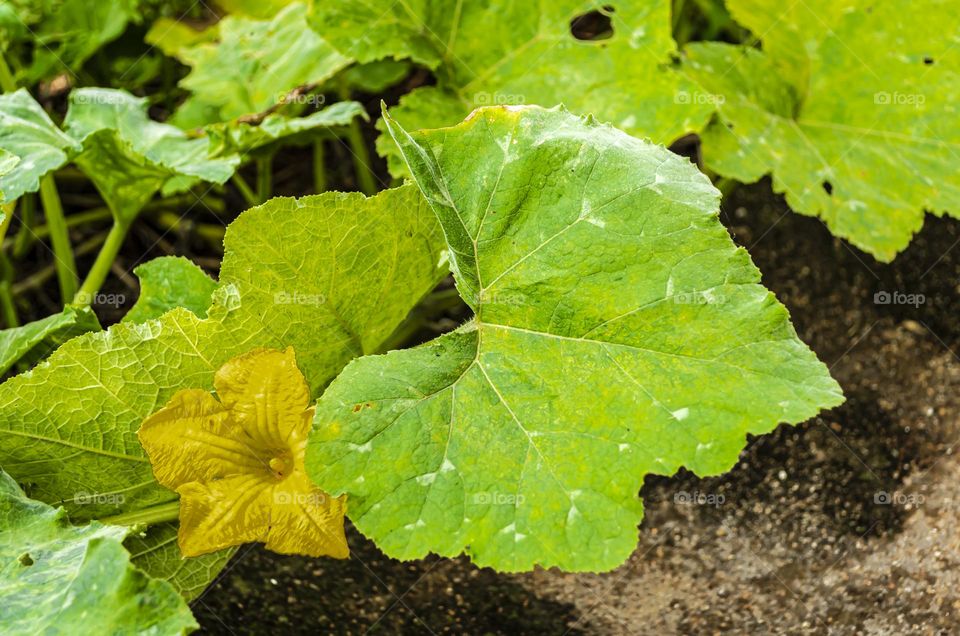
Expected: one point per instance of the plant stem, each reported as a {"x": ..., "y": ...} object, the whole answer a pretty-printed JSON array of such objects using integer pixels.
[
  {"x": 101, "y": 267},
  {"x": 7, "y": 307},
  {"x": 245, "y": 190},
  {"x": 147, "y": 516},
  {"x": 62, "y": 252},
  {"x": 7, "y": 82},
  {"x": 25, "y": 235},
  {"x": 319, "y": 169},
  {"x": 366, "y": 180},
  {"x": 264, "y": 177}
]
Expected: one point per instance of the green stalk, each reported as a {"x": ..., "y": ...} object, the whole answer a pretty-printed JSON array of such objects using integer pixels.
[
  {"x": 62, "y": 251},
  {"x": 101, "y": 267},
  {"x": 7, "y": 307},
  {"x": 366, "y": 180},
  {"x": 245, "y": 190},
  {"x": 319, "y": 168},
  {"x": 264, "y": 177},
  {"x": 160, "y": 513},
  {"x": 7, "y": 82},
  {"x": 25, "y": 235}
]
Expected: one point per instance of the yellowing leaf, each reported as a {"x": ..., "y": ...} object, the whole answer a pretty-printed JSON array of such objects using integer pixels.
[{"x": 237, "y": 461}]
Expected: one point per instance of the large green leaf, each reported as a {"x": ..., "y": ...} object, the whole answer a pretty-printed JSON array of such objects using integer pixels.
[
  {"x": 849, "y": 106},
  {"x": 61, "y": 35},
  {"x": 27, "y": 133},
  {"x": 33, "y": 341},
  {"x": 619, "y": 332},
  {"x": 504, "y": 52},
  {"x": 129, "y": 157},
  {"x": 330, "y": 275},
  {"x": 256, "y": 63},
  {"x": 169, "y": 282},
  {"x": 56, "y": 578}
]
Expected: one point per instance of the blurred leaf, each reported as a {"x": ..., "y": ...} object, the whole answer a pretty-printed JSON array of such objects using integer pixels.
[
  {"x": 40, "y": 147},
  {"x": 255, "y": 63}
]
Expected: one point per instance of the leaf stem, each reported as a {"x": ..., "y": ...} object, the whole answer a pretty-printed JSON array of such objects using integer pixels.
[
  {"x": 7, "y": 82},
  {"x": 160, "y": 513},
  {"x": 319, "y": 167},
  {"x": 62, "y": 251},
  {"x": 25, "y": 235},
  {"x": 366, "y": 180},
  {"x": 245, "y": 190},
  {"x": 7, "y": 307},
  {"x": 101, "y": 266},
  {"x": 264, "y": 177}
]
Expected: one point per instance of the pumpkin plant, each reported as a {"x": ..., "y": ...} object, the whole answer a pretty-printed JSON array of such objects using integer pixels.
[{"x": 610, "y": 328}]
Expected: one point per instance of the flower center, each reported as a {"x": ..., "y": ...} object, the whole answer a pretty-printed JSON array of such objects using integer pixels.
[{"x": 281, "y": 465}]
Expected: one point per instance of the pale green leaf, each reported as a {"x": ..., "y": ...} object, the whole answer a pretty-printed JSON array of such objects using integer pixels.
[
  {"x": 240, "y": 137},
  {"x": 34, "y": 341},
  {"x": 40, "y": 147},
  {"x": 172, "y": 36},
  {"x": 618, "y": 333},
  {"x": 169, "y": 282},
  {"x": 850, "y": 106},
  {"x": 56, "y": 578},
  {"x": 503, "y": 52},
  {"x": 255, "y": 63},
  {"x": 129, "y": 157},
  {"x": 330, "y": 275},
  {"x": 260, "y": 9}
]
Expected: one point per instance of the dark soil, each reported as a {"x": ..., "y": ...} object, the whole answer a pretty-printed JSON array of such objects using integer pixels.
[{"x": 846, "y": 524}]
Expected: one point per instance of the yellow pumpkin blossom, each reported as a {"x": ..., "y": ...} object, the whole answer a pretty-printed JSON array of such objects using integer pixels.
[{"x": 237, "y": 461}]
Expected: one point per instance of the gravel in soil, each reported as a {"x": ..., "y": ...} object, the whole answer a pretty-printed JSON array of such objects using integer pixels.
[{"x": 846, "y": 524}]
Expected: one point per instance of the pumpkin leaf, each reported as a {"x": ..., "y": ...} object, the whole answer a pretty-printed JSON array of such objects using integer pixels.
[
  {"x": 255, "y": 63},
  {"x": 502, "y": 52},
  {"x": 27, "y": 133},
  {"x": 34, "y": 341},
  {"x": 54, "y": 575},
  {"x": 618, "y": 332},
  {"x": 169, "y": 282},
  {"x": 130, "y": 157},
  {"x": 849, "y": 106},
  {"x": 331, "y": 275}
]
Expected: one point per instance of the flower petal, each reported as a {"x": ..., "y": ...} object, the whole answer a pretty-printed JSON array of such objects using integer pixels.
[
  {"x": 267, "y": 396},
  {"x": 306, "y": 520},
  {"x": 224, "y": 513},
  {"x": 193, "y": 438}
]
